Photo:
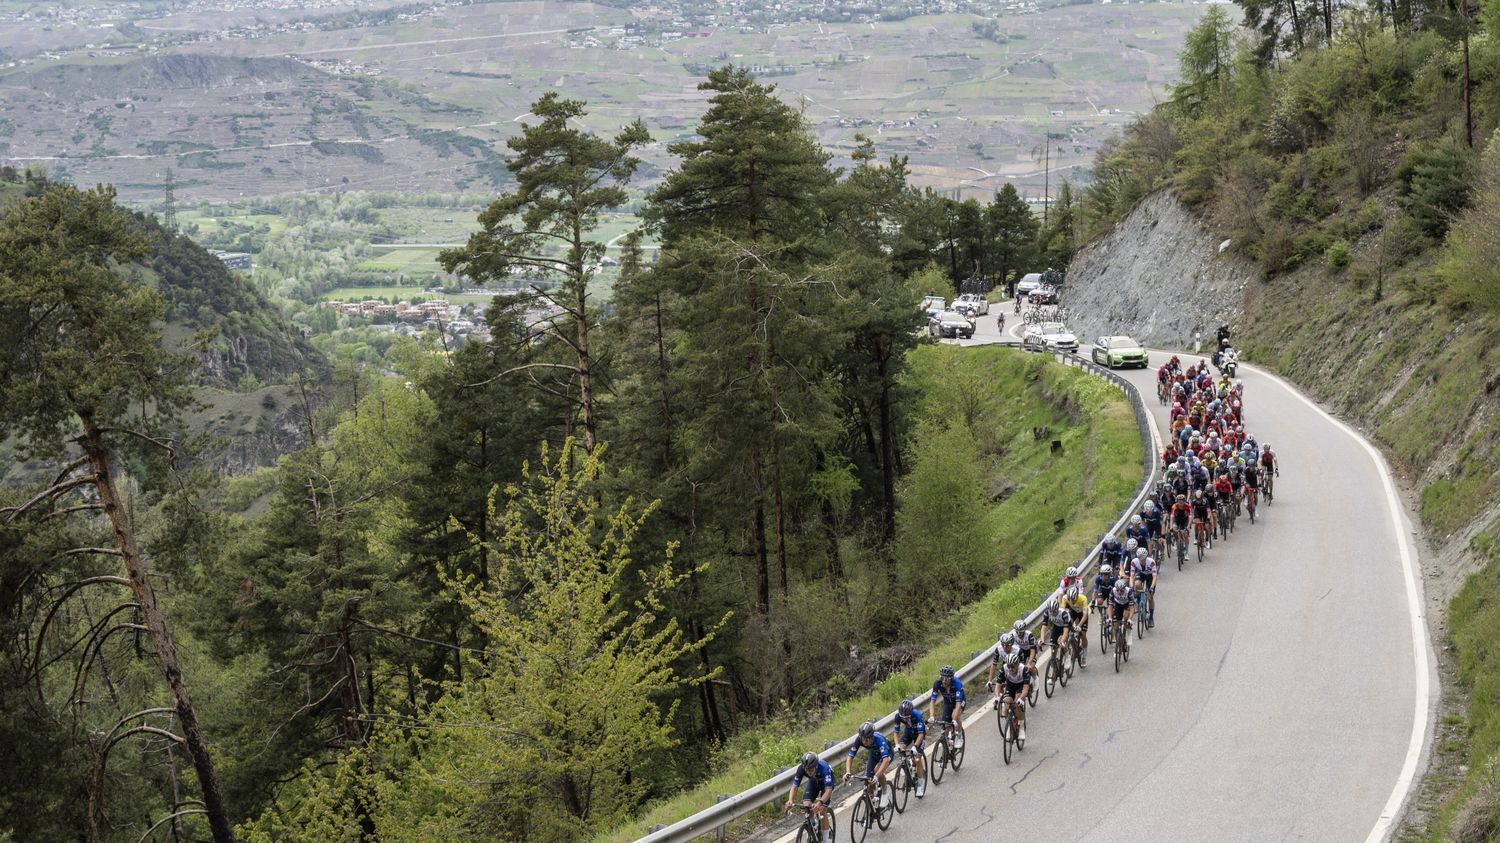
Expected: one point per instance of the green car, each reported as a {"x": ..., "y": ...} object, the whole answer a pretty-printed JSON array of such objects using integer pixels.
[{"x": 1119, "y": 351}]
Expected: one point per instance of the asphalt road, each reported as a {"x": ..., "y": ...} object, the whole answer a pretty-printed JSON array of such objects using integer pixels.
[{"x": 1275, "y": 699}]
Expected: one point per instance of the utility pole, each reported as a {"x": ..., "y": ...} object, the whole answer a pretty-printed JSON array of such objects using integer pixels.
[
  {"x": 169, "y": 205},
  {"x": 1047, "y": 179}
]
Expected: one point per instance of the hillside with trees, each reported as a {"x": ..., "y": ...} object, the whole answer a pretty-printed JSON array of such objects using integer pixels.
[
  {"x": 1352, "y": 154},
  {"x": 675, "y": 524}
]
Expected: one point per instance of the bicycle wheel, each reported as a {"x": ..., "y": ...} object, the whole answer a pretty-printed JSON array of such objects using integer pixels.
[
  {"x": 883, "y": 818},
  {"x": 805, "y": 835},
  {"x": 1064, "y": 669},
  {"x": 902, "y": 787},
  {"x": 1005, "y": 742},
  {"x": 1181, "y": 555},
  {"x": 861, "y": 819},
  {"x": 1140, "y": 620},
  {"x": 1117, "y": 655},
  {"x": 1200, "y": 547},
  {"x": 1050, "y": 682},
  {"x": 956, "y": 755},
  {"x": 939, "y": 763},
  {"x": 1126, "y": 647},
  {"x": 1103, "y": 635}
]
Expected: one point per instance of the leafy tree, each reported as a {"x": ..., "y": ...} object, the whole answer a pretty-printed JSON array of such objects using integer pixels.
[
  {"x": 1433, "y": 183},
  {"x": 1470, "y": 262},
  {"x": 81, "y": 365},
  {"x": 1206, "y": 63},
  {"x": 1014, "y": 229},
  {"x": 565, "y": 178}
]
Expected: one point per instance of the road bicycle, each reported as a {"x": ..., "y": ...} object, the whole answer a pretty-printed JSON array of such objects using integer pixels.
[
  {"x": 945, "y": 751},
  {"x": 1270, "y": 481},
  {"x": 1106, "y": 629},
  {"x": 1199, "y": 539},
  {"x": 809, "y": 832},
  {"x": 1250, "y": 503},
  {"x": 1075, "y": 651},
  {"x": 1122, "y": 644},
  {"x": 1141, "y": 599},
  {"x": 1057, "y": 673},
  {"x": 1007, "y": 717},
  {"x": 1182, "y": 545},
  {"x": 865, "y": 813},
  {"x": 905, "y": 779}
]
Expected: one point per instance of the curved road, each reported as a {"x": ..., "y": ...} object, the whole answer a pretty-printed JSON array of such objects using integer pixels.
[{"x": 1275, "y": 700}]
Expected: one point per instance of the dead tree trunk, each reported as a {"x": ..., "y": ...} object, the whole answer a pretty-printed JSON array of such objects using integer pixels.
[{"x": 156, "y": 624}]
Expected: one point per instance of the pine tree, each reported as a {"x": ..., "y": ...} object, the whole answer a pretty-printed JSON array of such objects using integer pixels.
[{"x": 565, "y": 179}]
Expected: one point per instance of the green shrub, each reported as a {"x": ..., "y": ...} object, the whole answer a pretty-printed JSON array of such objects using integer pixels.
[
  {"x": 1337, "y": 254},
  {"x": 1434, "y": 183}
]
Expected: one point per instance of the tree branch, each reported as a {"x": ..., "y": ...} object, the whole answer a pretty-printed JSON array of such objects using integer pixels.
[
  {"x": 513, "y": 370},
  {"x": 168, "y": 818}
]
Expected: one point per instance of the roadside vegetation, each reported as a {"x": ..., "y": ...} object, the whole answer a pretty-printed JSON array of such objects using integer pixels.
[{"x": 1353, "y": 155}]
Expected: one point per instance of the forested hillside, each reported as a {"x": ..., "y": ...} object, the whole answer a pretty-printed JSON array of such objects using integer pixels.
[
  {"x": 1352, "y": 155},
  {"x": 677, "y": 526}
]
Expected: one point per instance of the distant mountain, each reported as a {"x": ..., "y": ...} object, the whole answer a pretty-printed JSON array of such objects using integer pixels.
[{"x": 170, "y": 72}]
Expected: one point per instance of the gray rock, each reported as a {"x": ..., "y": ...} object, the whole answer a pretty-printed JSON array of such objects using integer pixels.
[{"x": 1158, "y": 276}]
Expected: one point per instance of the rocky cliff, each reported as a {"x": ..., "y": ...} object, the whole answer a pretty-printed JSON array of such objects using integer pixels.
[{"x": 1158, "y": 276}]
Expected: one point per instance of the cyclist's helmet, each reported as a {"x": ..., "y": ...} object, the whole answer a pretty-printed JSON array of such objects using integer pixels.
[
  {"x": 1008, "y": 638},
  {"x": 1072, "y": 571},
  {"x": 1104, "y": 569},
  {"x": 1052, "y": 604},
  {"x": 1072, "y": 593},
  {"x": 1140, "y": 553},
  {"x": 1131, "y": 545},
  {"x": 1019, "y": 626},
  {"x": 1182, "y": 498},
  {"x": 946, "y": 672},
  {"x": 1013, "y": 659},
  {"x": 1135, "y": 520},
  {"x": 904, "y": 709},
  {"x": 1148, "y": 506},
  {"x": 866, "y": 730},
  {"x": 809, "y": 761}
]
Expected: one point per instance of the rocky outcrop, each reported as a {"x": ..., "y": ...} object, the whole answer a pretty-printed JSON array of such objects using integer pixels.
[{"x": 1158, "y": 276}]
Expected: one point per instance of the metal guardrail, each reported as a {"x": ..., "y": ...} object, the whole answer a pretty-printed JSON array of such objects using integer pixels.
[{"x": 738, "y": 805}]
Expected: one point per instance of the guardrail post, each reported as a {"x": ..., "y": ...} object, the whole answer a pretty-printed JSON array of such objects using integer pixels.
[{"x": 719, "y": 832}]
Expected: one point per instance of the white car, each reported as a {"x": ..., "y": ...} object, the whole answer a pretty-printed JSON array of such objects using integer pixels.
[
  {"x": 1029, "y": 283},
  {"x": 933, "y": 305},
  {"x": 973, "y": 304},
  {"x": 1049, "y": 336}
]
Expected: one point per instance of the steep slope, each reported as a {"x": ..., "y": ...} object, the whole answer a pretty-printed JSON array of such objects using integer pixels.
[{"x": 1131, "y": 278}]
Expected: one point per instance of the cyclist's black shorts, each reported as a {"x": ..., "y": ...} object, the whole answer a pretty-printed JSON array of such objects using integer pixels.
[
  {"x": 909, "y": 736},
  {"x": 812, "y": 789},
  {"x": 1012, "y": 689},
  {"x": 1149, "y": 582},
  {"x": 1054, "y": 632},
  {"x": 1117, "y": 612}
]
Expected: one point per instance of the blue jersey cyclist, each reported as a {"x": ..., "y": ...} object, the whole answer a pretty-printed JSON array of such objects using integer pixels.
[
  {"x": 949, "y": 690},
  {"x": 877, "y": 758},
  {"x": 911, "y": 734},
  {"x": 1137, "y": 532},
  {"x": 816, "y": 777}
]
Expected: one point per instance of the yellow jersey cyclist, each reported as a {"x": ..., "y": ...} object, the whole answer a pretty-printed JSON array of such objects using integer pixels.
[
  {"x": 910, "y": 732},
  {"x": 818, "y": 776},
  {"x": 1077, "y": 605}
]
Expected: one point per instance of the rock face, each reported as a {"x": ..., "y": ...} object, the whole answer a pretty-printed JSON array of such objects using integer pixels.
[{"x": 1158, "y": 276}]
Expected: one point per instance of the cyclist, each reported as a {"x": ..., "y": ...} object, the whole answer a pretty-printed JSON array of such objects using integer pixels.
[
  {"x": 1144, "y": 572},
  {"x": 1060, "y": 622},
  {"x": 1121, "y": 603},
  {"x": 949, "y": 689},
  {"x": 911, "y": 733},
  {"x": 1077, "y": 604},
  {"x": 1069, "y": 579},
  {"x": 1269, "y": 466},
  {"x": 1014, "y": 687},
  {"x": 1201, "y": 516},
  {"x": 1252, "y": 483},
  {"x": 1151, "y": 516},
  {"x": 877, "y": 758},
  {"x": 819, "y": 777},
  {"x": 1103, "y": 582},
  {"x": 1137, "y": 531},
  {"x": 1026, "y": 643},
  {"x": 1110, "y": 550},
  {"x": 1182, "y": 512}
]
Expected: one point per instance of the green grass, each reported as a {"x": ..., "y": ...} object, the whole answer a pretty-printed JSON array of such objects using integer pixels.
[
  {"x": 1061, "y": 504},
  {"x": 1472, "y": 812}
]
